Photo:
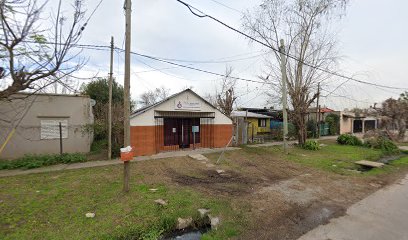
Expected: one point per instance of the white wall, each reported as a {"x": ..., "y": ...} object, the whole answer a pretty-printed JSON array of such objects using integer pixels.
[{"x": 147, "y": 118}]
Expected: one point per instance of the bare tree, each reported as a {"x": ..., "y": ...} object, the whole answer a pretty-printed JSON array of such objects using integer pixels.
[
  {"x": 305, "y": 27},
  {"x": 225, "y": 98},
  {"x": 397, "y": 113},
  {"x": 35, "y": 53},
  {"x": 152, "y": 96}
]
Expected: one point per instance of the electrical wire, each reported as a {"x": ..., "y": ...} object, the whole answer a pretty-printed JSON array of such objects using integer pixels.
[{"x": 201, "y": 14}]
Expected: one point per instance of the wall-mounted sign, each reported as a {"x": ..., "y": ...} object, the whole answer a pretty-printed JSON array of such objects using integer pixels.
[
  {"x": 183, "y": 104},
  {"x": 195, "y": 129},
  {"x": 50, "y": 129}
]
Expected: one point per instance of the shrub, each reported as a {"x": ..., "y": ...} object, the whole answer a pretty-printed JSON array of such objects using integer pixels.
[
  {"x": 334, "y": 123},
  {"x": 311, "y": 145},
  {"x": 348, "y": 139},
  {"x": 384, "y": 144},
  {"x": 35, "y": 161}
]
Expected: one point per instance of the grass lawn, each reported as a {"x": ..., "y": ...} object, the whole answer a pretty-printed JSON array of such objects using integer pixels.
[
  {"x": 335, "y": 158},
  {"x": 53, "y": 205}
]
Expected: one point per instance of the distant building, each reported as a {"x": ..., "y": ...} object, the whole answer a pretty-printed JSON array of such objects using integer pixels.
[
  {"x": 250, "y": 125},
  {"x": 351, "y": 122},
  {"x": 40, "y": 116},
  {"x": 323, "y": 113},
  {"x": 182, "y": 121}
]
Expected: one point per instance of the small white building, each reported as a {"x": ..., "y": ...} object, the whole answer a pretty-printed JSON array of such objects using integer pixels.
[{"x": 182, "y": 121}]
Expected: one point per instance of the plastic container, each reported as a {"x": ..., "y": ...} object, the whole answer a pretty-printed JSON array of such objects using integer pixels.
[{"x": 126, "y": 154}]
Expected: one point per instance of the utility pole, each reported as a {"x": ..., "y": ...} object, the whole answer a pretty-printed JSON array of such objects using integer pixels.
[
  {"x": 110, "y": 103},
  {"x": 318, "y": 112},
  {"x": 284, "y": 96},
  {"x": 126, "y": 95}
]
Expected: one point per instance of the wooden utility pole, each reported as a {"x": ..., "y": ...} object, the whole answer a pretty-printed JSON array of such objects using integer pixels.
[
  {"x": 284, "y": 96},
  {"x": 318, "y": 112},
  {"x": 110, "y": 103},
  {"x": 126, "y": 95}
]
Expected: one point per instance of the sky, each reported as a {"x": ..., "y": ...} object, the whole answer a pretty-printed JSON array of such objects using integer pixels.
[{"x": 371, "y": 37}]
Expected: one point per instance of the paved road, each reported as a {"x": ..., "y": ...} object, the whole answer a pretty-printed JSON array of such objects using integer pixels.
[{"x": 381, "y": 216}]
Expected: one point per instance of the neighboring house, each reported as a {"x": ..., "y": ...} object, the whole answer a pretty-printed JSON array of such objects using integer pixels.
[
  {"x": 355, "y": 123},
  {"x": 38, "y": 117},
  {"x": 183, "y": 120},
  {"x": 257, "y": 124},
  {"x": 323, "y": 113}
]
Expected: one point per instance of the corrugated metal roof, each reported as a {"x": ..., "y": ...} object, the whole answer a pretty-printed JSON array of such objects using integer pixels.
[{"x": 250, "y": 114}]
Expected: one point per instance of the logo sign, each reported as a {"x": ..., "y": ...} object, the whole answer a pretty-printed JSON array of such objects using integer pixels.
[
  {"x": 182, "y": 104},
  {"x": 195, "y": 129}
]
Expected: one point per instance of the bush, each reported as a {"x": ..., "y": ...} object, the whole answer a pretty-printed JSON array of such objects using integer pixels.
[
  {"x": 311, "y": 145},
  {"x": 334, "y": 123},
  {"x": 36, "y": 161},
  {"x": 384, "y": 144},
  {"x": 348, "y": 139}
]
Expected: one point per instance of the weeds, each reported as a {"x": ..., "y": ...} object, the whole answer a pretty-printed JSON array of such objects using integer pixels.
[{"x": 36, "y": 161}]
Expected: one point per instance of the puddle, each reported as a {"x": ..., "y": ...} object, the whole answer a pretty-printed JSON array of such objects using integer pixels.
[{"x": 188, "y": 234}]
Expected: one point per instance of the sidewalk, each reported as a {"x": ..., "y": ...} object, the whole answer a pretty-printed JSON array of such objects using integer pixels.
[
  {"x": 60, "y": 167},
  {"x": 382, "y": 215}
]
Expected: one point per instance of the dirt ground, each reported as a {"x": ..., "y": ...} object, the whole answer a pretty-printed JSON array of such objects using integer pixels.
[{"x": 280, "y": 199}]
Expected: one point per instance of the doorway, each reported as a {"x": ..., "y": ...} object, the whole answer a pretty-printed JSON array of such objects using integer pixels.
[{"x": 178, "y": 131}]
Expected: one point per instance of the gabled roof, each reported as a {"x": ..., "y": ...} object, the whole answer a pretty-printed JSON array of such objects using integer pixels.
[
  {"x": 248, "y": 114},
  {"x": 147, "y": 108}
]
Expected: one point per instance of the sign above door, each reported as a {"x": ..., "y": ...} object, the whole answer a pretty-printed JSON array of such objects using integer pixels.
[{"x": 183, "y": 104}]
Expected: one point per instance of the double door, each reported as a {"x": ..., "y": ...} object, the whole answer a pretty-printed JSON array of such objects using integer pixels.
[{"x": 178, "y": 131}]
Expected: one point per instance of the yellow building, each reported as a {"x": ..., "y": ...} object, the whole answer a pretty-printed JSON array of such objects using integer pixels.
[{"x": 256, "y": 124}]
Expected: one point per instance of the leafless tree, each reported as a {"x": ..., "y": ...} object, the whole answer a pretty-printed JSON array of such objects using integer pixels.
[
  {"x": 152, "y": 96},
  {"x": 226, "y": 97},
  {"x": 305, "y": 27},
  {"x": 397, "y": 113},
  {"x": 33, "y": 52}
]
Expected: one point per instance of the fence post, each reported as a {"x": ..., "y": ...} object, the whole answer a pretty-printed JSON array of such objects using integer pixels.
[{"x": 60, "y": 137}]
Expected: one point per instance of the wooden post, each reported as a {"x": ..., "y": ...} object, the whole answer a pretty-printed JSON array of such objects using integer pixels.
[
  {"x": 60, "y": 138},
  {"x": 126, "y": 95},
  {"x": 110, "y": 103},
  {"x": 318, "y": 112},
  {"x": 284, "y": 96}
]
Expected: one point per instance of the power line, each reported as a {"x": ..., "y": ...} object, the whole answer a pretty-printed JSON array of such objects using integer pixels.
[
  {"x": 224, "y": 5},
  {"x": 192, "y": 68},
  {"x": 201, "y": 14}
]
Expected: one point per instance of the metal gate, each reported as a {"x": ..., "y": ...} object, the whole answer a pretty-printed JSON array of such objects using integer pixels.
[{"x": 174, "y": 130}]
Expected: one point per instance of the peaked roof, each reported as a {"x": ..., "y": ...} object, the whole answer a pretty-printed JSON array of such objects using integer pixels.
[{"x": 147, "y": 108}]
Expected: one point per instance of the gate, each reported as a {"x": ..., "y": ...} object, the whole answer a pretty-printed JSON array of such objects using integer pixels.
[{"x": 174, "y": 130}]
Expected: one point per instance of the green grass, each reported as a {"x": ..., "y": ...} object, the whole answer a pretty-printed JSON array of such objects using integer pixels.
[
  {"x": 35, "y": 161},
  {"x": 53, "y": 206},
  {"x": 333, "y": 157}
]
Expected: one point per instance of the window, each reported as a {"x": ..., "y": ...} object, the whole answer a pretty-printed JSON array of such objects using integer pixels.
[
  {"x": 262, "y": 122},
  {"x": 50, "y": 128}
]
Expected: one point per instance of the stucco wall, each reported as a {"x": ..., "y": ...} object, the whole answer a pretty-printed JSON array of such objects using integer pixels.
[
  {"x": 147, "y": 118},
  {"x": 27, "y": 138}
]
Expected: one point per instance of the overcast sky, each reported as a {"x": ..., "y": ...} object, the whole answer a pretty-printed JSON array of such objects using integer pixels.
[{"x": 372, "y": 39}]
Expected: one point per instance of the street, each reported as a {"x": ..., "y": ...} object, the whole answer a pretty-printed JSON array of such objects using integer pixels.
[{"x": 382, "y": 215}]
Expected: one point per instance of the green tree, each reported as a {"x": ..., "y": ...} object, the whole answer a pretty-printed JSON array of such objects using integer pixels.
[
  {"x": 334, "y": 123},
  {"x": 98, "y": 90}
]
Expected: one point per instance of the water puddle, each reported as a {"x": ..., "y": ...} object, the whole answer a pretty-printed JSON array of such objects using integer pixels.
[{"x": 187, "y": 234}]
